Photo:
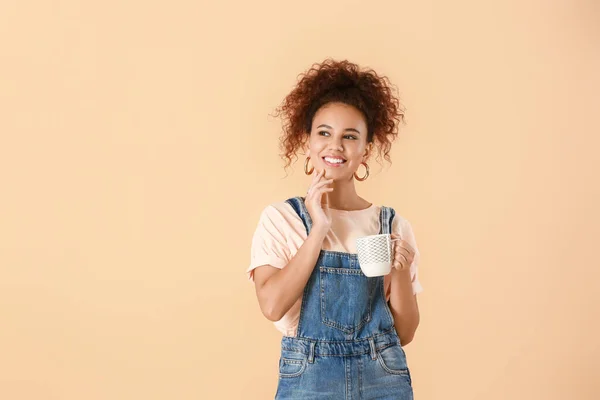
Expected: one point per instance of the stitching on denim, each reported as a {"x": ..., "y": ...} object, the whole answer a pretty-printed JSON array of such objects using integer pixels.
[
  {"x": 403, "y": 371},
  {"x": 387, "y": 332},
  {"x": 295, "y": 350},
  {"x": 360, "y": 378},
  {"x": 341, "y": 271},
  {"x": 373, "y": 349},
  {"x": 345, "y": 354},
  {"x": 305, "y": 213},
  {"x": 382, "y": 220},
  {"x": 386, "y": 306},
  {"x": 291, "y": 361},
  {"x": 328, "y": 322},
  {"x": 348, "y": 377},
  {"x": 295, "y": 374},
  {"x": 306, "y": 342},
  {"x": 344, "y": 328},
  {"x": 302, "y": 308},
  {"x": 311, "y": 353}
]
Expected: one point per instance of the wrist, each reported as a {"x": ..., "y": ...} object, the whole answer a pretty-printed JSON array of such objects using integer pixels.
[
  {"x": 401, "y": 273},
  {"x": 319, "y": 232}
]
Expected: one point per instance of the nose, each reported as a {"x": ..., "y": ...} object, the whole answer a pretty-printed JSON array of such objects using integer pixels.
[{"x": 335, "y": 144}]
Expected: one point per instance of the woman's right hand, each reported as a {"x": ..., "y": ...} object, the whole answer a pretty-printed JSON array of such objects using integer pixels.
[{"x": 316, "y": 202}]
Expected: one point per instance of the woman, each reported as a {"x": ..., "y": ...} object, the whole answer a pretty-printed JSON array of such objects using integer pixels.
[{"x": 343, "y": 332}]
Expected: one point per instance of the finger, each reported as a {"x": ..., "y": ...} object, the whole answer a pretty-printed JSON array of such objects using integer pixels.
[
  {"x": 404, "y": 259},
  {"x": 404, "y": 250},
  {"x": 401, "y": 250},
  {"x": 316, "y": 192},
  {"x": 315, "y": 180},
  {"x": 315, "y": 177},
  {"x": 322, "y": 190},
  {"x": 322, "y": 193},
  {"x": 322, "y": 183},
  {"x": 318, "y": 185},
  {"x": 401, "y": 256},
  {"x": 404, "y": 244},
  {"x": 397, "y": 265}
]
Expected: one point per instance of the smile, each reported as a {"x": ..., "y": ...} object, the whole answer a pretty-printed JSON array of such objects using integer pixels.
[{"x": 333, "y": 161}]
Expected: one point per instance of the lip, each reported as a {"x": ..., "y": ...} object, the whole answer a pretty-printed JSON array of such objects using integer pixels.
[{"x": 332, "y": 165}]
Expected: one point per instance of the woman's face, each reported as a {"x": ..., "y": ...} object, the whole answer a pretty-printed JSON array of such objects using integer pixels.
[{"x": 338, "y": 140}]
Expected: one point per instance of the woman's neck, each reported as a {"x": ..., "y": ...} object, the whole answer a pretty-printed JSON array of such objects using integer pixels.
[{"x": 344, "y": 197}]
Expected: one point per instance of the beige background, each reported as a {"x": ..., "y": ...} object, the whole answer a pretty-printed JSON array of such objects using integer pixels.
[{"x": 137, "y": 152}]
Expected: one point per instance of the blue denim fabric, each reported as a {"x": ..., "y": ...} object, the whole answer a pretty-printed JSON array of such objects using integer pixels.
[{"x": 346, "y": 345}]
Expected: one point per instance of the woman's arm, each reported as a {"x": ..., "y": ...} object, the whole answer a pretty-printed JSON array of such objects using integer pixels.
[
  {"x": 403, "y": 301},
  {"x": 277, "y": 289},
  {"x": 403, "y": 304}
]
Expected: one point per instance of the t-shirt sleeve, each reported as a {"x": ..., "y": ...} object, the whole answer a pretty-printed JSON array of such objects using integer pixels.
[
  {"x": 269, "y": 243},
  {"x": 402, "y": 227}
]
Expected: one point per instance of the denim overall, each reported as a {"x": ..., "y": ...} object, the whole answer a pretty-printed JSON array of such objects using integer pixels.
[{"x": 346, "y": 345}]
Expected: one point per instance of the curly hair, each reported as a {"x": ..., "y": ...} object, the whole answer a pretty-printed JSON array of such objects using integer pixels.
[{"x": 343, "y": 82}]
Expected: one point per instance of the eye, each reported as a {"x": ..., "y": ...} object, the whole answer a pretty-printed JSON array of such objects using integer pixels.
[
  {"x": 352, "y": 137},
  {"x": 323, "y": 133}
]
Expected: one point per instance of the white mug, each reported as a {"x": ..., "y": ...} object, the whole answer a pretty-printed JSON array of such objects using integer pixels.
[{"x": 375, "y": 253}]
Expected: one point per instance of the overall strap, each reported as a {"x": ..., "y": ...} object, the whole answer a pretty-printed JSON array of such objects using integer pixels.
[
  {"x": 386, "y": 216},
  {"x": 299, "y": 207}
]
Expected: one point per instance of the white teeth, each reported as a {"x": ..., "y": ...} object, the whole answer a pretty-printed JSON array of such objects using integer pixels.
[{"x": 334, "y": 160}]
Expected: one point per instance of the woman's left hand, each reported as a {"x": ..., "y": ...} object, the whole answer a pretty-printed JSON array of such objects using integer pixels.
[{"x": 403, "y": 254}]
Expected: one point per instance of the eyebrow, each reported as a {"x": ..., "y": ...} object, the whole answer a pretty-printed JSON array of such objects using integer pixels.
[{"x": 347, "y": 129}]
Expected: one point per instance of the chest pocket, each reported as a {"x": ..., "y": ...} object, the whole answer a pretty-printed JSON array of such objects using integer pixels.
[{"x": 347, "y": 296}]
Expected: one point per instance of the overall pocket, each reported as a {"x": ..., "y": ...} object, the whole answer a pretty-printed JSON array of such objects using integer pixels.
[
  {"x": 393, "y": 360},
  {"x": 346, "y": 298},
  {"x": 291, "y": 364}
]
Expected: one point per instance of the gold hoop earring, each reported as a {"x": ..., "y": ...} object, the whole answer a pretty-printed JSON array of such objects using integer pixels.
[
  {"x": 366, "y": 174},
  {"x": 306, "y": 167}
]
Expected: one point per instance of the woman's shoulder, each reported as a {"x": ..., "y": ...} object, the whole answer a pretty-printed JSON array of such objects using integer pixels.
[
  {"x": 280, "y": 210},
  {"x": 279, "y": 206},
  {"x": 280, "y": 219}
]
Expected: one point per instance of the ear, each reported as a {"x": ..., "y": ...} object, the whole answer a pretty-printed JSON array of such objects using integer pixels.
[{"x": 368, "y": 150}]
